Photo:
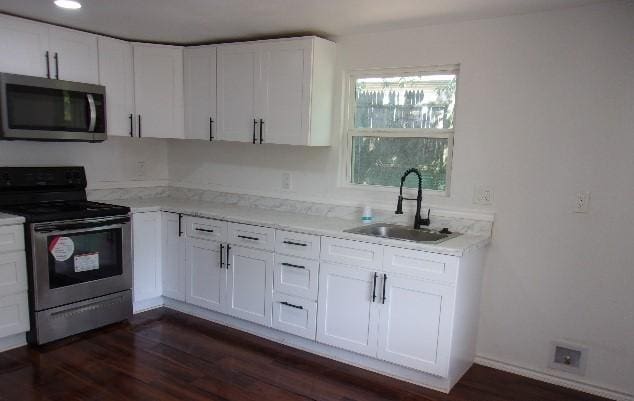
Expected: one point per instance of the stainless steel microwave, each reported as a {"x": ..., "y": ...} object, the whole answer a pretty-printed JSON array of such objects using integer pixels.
[{"x": 42, "y": 109}]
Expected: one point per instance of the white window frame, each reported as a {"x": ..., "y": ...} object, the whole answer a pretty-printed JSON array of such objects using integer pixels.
[{"x": 350, "y": 131}]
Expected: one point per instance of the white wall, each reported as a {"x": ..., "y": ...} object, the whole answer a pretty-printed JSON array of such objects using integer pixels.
[
  {"x": 554, "y": 115},
  {"x": 110, "y": 164}
]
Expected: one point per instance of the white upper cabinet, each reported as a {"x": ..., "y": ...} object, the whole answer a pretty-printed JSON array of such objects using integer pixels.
[
  {"x": 116, "y": 73},
  {"x": 238, "y": 73},
  {"x": 200, "y": 92},
  {"x": 23, "y": 46},
  {"x": 158, "y": 90},
  {"x": 285, "y": 89},
  {"x": 277, "y": 91},
  {"x": 75, "y": 55},
  {"x": 32, "y": 48}
]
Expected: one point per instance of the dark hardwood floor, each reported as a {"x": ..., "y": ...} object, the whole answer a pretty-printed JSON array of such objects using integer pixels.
[{"x": 164, "y": 355}]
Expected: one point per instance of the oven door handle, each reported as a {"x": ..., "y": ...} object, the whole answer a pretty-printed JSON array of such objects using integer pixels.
[{"x": 80, "y": 226}]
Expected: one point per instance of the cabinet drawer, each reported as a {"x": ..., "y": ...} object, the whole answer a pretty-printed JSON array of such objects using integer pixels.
[
  {"x": 295, "y": 276},
  {"x": 296, "y": 244},
  {"x": 12, "y": 273},
  {"x": 14, "y": 314},
  {"x": 421, "y": 264},
  {"x": 209, "y": 229},
  {"x": 295, "y": 315},
  {"x": 252, "y": 236},
  {"x": 350, "y": 252},
  {"x": 11, "y": 238}
]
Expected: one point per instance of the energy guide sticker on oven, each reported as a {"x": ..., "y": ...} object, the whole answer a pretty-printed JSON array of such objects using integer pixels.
[
  {"x": 86, "y": 262},
  {"x": 61, "y": 248}
]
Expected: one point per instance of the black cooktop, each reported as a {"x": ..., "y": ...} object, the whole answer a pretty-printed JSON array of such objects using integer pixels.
[
  {"x": 50, "y": 194},
  {"x": 63, "y": 210}
]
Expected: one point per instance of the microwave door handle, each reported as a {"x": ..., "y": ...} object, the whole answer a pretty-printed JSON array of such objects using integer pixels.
[{"x": 93, "y": 112}]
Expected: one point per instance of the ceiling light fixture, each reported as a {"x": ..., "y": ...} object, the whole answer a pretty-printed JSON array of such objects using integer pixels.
[{"x": 68, "y": 4}]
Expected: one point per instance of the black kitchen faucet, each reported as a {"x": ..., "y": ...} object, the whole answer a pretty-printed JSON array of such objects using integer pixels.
[{"x": 418, "y": 220}]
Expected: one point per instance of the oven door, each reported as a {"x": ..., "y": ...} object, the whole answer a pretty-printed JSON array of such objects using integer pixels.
[{"x": 80, "y": 259}]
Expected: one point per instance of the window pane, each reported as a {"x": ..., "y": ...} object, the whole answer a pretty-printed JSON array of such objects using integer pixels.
[
  {"x": 406, "y": 102},
  {"x": 382, "y": 161}
]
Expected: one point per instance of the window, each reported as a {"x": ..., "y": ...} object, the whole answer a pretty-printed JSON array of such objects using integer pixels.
[{"x": 398, "y": 120}]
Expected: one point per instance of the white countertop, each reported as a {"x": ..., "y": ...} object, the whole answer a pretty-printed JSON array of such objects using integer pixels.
[
  {"x": 9, "y": 219},
  {"x": 327, "y": 226}
]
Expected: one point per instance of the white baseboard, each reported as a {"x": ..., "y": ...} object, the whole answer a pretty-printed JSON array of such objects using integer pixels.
[
  {"x": 14, "y": 341},
  {"x": 147, "y": 304},
  {"x": 553, "y": 379}
]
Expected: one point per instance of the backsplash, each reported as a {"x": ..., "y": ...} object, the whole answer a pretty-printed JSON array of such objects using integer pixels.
[{"x": 438, "y": 220}]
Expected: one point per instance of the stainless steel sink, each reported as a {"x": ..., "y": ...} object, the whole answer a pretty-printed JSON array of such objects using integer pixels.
[{"x": 403, "y": 233}]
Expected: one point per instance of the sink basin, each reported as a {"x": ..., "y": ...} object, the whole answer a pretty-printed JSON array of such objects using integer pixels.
[{"x": 393, "y": 231}]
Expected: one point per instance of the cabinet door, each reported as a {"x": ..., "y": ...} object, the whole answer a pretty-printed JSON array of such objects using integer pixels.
[
  {"x": 206, "y": 276},
  {"x": 23, "y": 46},
  {"x": 158, "y": 90},
  {"x": 116, "y": 74},
  {"x": 77, "y": 55},
  {"x": 174, "y": 269},
  {"x": 238, "y": 72},
  {"x": 146, "y": 237},
  {"x": 250, "y": 284},
  {"x": 14, "y": 314},
  {"x": 200, "y": 92},
  {"x": 347, "y": 318},
  {"x": 415, "y": 324},
  {"x": 284, "y": 91}
]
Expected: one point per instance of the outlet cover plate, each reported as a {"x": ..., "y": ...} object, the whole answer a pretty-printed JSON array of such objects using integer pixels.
[
  {"x": 482, "y": 195},
  {"x": 562, "y": 351}
]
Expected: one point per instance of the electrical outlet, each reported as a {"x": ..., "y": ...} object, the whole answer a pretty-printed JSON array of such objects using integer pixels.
[
  {"x": 140, "y": 170},
  {"x": 567, "y": 357},
  {"x": 482, "y": 195},
  {"x": 582, "y": 202},
  {"x": 286, "y": 181}
]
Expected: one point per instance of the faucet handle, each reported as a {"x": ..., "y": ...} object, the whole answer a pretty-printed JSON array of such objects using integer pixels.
[
  {"x": 399, "y": 205},
  {"x": 426, "y": 221}
]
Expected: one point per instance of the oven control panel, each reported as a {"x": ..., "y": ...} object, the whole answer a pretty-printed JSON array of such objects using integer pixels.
[{"x": 16, "y": 178}]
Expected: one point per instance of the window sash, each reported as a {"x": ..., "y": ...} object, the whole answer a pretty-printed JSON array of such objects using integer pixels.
[{"x": 352, "y": 131}]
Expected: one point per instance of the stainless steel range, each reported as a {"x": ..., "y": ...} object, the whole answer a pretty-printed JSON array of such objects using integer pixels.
[{"x": 78, "y": 252}]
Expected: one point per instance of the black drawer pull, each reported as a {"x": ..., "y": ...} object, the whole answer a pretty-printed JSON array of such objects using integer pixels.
[
  {"x": 295, "y": 243},
  {"x": 291, "y": 305},
  {"x": 292, "y": 265},
  {"x": 247, "y": 237},
  {"x": 204, "y": 230}
]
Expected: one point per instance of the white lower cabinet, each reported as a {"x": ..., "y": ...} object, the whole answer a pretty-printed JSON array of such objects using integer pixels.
[
  {"x": 14, "y": 303},
  {"x": 347, "y": 318},
  {"x": 249, "y": 284},
  {"x": 14, "y": 314},
  {"x": 206, "y": 274},
  {"x": 147, "y": 260},
  {"x": 174, "y": 272},
  {"x": 414, "y": 325},
  {"x": 294, "y": 315}
]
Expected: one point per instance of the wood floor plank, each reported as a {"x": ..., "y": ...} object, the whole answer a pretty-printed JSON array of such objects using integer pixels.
[{"x": 163, "y": 355}]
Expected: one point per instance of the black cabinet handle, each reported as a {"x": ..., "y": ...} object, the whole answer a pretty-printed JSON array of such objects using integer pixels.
[
  {"x": 291, "y": 305},
  {"x": 56, "y": 65},
  {"x": 204, "y": 230},
  {"x": 255, "y": 123},
  {"x": 374, "y": 287},
  {"x": 211, "y": 129},
  {"x": 180, "y": 224},
  {"x": 131, "y": 117},
  {"x": 228, "y": 249},
  {"x": 247, "y": 237},
  {"x": 221, "y": 262},
  {"x": 139, "y": 128},
  {"x": 294, "y": 243},
  {"x": 292, "y": 265},
  {"x": 384, "y": 282},
  {"x": 48, "y": 65},
  {"x": 261, "y": 128}
]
